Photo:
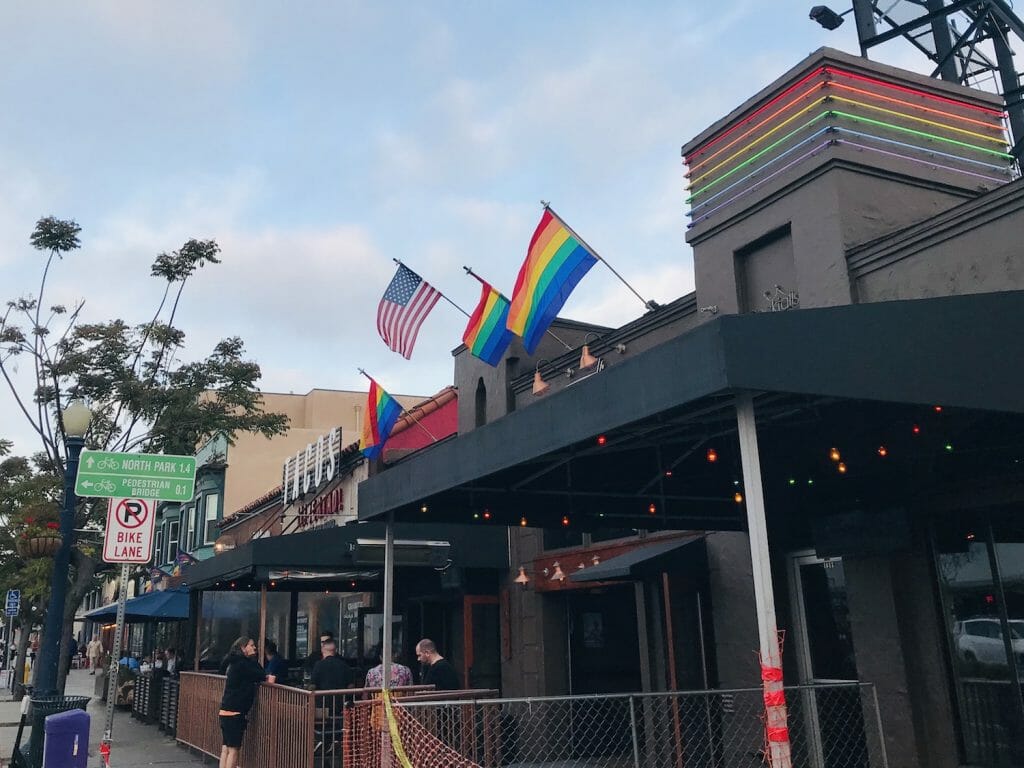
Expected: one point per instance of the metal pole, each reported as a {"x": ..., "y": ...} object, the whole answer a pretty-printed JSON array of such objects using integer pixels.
[
  {"x": 389, "y": 597},
  {"x": 764, "y": 596},
  {"x": 49, "y": 652},
  {"x": 115, "y": 656}
]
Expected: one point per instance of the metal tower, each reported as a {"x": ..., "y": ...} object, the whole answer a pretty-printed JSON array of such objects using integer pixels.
[{"x": 968, "y": 41}]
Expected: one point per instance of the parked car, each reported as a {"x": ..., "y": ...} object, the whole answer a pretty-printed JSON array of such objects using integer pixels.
[{"x": 980, "y": 644}]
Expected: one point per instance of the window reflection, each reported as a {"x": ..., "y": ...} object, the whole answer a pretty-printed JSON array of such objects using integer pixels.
[
  {"x": 986, "y": 636},
  {"x": 226, "y": 616}
]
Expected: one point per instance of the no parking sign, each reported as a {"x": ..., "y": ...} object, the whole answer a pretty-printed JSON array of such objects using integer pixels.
[{"x": 129, "y": 535}]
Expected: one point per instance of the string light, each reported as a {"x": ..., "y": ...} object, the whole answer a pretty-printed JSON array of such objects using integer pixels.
[
  {"x": 949, "y": 447},
  {"x": 792, "y": 481},
  {"x": 883, "y": 451},
  {"x": 916, "y": 429},
  {"x": 668, "y": 473},
  {"x": 487, "y": 514},
  {"x": 651, "y": 509},
  {"x": 810, "y": 481},
  {"x": 711, "y": 455},
  {"x": 841, "y": 466},
  {"x": 522, "y": 521},
  {"x": 601, "y": 439},
  {"x": 737, "y": 497},
  {"x": 565, "y": 520},
  {"x": 938, "y": 409},
  {"x": 423, "y": 509},
  {"x": 476, "y": 515},
  {"x": 834, "y": 454}
]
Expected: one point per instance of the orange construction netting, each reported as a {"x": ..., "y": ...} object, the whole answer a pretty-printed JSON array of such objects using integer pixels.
[{"x": 381, "y": 734}]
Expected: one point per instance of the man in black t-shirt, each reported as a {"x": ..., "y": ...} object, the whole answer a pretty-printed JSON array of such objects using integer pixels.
[
  {"x": 331, "y": 673},
  {"x": 436, "y": 670}
]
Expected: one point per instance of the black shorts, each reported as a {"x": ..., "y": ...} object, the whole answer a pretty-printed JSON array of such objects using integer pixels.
[{"x": 232, "y": 729}]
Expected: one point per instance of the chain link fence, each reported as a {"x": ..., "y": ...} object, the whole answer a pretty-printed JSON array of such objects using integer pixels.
[{"x": 830, "y": 726}]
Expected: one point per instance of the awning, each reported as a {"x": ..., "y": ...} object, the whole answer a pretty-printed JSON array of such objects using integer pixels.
[
  {"x": 343, "y": 550},
  {"x": 964, "y": 352},
  {"x": 637, "y": 563},
  {"x": 168, "y": 605}
]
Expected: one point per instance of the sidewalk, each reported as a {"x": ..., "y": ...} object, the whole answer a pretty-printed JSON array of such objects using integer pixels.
[{"x": 134, "y": 744}]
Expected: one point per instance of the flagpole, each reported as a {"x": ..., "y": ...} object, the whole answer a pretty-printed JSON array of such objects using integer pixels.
[
  {"x": 399, "y": 263},
  {"x": 405, "y": 412},
  {"x": 648, "y": 304},
  {"x": 549, "y": 332}
]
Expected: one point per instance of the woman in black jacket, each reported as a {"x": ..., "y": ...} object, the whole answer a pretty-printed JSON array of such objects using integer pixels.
[{"x": 243, "y": 674}]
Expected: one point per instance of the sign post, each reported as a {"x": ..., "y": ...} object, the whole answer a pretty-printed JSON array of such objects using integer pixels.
[{"x": 150, "y": 476}]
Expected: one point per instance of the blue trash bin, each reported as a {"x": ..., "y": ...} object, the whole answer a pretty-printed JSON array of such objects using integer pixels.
[{"x": 67, "y": 740}]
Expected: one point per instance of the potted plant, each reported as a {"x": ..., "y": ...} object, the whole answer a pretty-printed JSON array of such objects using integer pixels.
[{"x": 39, "y": 535}]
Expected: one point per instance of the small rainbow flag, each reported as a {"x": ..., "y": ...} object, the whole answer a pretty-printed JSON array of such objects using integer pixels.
[
  {"x": 555, "y": 262},
  {"x": 382, "y": 411},
  {"x": 487, "y": 336}
]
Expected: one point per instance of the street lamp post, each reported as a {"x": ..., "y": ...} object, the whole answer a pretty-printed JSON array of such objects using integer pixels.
[{"x": 76, "y": 418}]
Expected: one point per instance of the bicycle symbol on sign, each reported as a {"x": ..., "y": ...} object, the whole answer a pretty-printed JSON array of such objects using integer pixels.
[
  {"x": 105, "y": 485},
  {"x": 107, "y": 463}
]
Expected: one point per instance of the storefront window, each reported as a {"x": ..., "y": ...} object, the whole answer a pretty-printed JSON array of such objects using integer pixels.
[
  {"x": 279, "y": 619},
  {"x": 337, "y": 612},
  {"x": 981, "y": 576},
  {"x": 226, "y": 616}
]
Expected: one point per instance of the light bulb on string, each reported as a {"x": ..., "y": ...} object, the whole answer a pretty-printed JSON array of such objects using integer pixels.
[
  {"x": 651, "y": 509},
  {"x": 916, "y": 429},
  {"x": 737, "y": 497},
  {"x": 522, "y": 521},
  {"x": 834, "y": 454},
  {"x": 711, "y": 455},
  {"x": 565, "y": 520},
  {"x": 883, "y": 451},
  {"x": 841, "y": 466}
]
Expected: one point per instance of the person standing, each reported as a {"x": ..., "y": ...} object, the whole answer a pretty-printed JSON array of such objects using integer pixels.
[
  {"x": 331, "y": 673},
  {"x": 436, "y": 669},
  {"x": 93, "y": 651},
  {"x": 400, "y": 674},
  {"x": 243, "y": 674}
]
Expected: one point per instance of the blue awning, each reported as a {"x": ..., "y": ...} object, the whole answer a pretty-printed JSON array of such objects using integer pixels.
[{"x": 168, "y": 605}]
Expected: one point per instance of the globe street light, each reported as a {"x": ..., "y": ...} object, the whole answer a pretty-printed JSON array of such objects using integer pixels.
[{"x": 76, "y": 418}]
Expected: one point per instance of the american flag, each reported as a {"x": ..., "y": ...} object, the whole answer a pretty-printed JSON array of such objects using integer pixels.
[{"x": 406, "y": 304}]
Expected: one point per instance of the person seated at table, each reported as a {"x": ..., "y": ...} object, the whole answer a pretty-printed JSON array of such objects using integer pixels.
[
  {"x": 276, "y": 667},
  {"x": 331, "y": 673}
]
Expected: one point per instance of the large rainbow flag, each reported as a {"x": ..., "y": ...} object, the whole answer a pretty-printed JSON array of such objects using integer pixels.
[
  {"x": 382, "y": 411},
  {"x": 555, "y": 262},
  {"x": 487, "y": 336}
]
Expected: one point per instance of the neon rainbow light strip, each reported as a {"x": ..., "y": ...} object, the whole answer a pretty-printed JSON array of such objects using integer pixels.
[
  {"x": 919, "y": 160},
  {"x": 753, "y": 129},
  {"x": 923, "y": 134},
  {"x": 934, "y": 97},
  {"x": 755, "y": 157},
  {"x": 828, "y": 70},
  {"x": 920, "y": 108},
  {"x": 736, "y": 126},
  {"x": 982, "y": 136},
  {"x": 856, "y": 118},
  {"x": 812, "y": 137},
  {"x": 758, "y": 140},
  {"x": 765, "y": 180},
  {"x": 961, "y": 158}
]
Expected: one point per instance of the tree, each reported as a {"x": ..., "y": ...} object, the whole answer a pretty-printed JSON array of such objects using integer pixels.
[{"x": 141, "y": 396}]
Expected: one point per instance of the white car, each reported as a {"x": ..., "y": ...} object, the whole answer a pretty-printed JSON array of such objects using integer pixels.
[{"x": 979, "y": 642}]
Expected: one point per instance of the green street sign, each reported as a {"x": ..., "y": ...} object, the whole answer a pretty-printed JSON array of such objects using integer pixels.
[{"x": 136, "y": 476}]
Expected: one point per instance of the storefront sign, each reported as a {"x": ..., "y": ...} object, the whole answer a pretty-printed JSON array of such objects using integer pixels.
[
  {"x": 322, "y": 509},
  {"x": 311, "y": 467}
]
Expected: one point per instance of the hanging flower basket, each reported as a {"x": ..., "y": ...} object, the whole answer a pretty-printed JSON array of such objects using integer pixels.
[{"x": 39, "y": 546}]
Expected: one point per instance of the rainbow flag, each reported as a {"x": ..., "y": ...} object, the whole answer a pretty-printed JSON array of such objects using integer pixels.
[
  {"x": 382, "y": 411},
  {"x": 555, "y": 262},
  {"x": 487, "y": 336}
]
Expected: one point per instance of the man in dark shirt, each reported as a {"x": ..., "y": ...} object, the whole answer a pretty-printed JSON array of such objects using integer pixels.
[
  {"x": 331, "y": 673},
  {"x": 436, "y": 669},
  {"x": 317, "y": 653}
]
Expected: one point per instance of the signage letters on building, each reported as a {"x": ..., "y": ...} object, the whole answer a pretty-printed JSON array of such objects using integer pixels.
[{"x": 311, "y": 467}]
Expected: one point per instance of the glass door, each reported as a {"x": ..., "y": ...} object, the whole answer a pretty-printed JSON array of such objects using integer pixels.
[{"x": 832, "y": 716}]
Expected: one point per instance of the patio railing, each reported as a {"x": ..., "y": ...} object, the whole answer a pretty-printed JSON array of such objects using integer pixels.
[
  {"x": 287, "y": 727},
  {"x": 830, "y": 726}
]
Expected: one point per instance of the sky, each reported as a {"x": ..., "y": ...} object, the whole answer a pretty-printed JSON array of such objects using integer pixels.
[{"x": 316, "y": 141}]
